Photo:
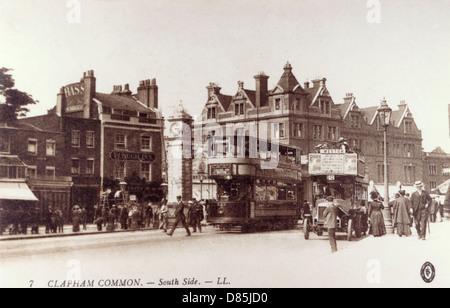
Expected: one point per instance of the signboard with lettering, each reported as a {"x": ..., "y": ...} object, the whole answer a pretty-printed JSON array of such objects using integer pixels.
[
  {"x": 220, "y": 169},
  {"x": 339, "y": 163},
  {"x": 132, "y": 156},
  {"x": 74, "y": 97}
]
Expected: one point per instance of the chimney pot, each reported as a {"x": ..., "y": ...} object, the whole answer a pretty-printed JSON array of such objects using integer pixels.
[{"x": 306, "y": 84}]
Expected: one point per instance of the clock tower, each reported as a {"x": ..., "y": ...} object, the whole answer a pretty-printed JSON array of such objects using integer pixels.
[{"x": 179, "y": 155}]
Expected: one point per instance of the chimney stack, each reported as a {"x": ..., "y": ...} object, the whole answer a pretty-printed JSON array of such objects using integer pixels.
[
  {"x": 261, "y": 89},
  {"x": 89, "y": 92},
  {"x": 306, "y": 84},
  {"x": 147, "y": 93},
  {"x": 60, "y": 102}
]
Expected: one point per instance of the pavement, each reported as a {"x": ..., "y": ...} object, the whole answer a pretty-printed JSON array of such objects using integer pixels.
[{"x": 90, "y": 229}]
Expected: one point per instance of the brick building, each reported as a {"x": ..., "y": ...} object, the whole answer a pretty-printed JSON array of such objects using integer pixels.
[
  {"x": 436, "y": 168},
  {"x": 404, "y": 141},
  {"x": 307, "y": 116},
  {"x": 104, "y": 139}
]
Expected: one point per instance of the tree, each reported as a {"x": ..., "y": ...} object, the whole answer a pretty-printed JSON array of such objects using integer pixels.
[{"x": 12, "y": 101}]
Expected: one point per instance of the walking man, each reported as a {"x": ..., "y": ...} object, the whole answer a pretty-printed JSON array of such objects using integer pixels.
[
  {"x": 420, "y": 202},
  {"x": 330, "y": 214},
  {"x": 180, "y": 217},
  {"x": 197, "y": 216}
]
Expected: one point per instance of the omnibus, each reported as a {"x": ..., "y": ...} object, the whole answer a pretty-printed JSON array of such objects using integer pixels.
[
  {"x": 341, "y": 174},
  {"x": 253, "y": 197}
]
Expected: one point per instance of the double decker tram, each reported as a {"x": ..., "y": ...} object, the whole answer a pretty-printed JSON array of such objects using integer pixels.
[{"x": 256, "y": 193}]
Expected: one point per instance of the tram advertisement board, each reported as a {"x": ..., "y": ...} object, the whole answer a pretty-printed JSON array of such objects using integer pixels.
[{"x": 333, "y": 163}]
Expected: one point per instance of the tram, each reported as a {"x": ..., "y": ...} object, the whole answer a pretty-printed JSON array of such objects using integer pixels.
[{"x": 253, "y": 197}]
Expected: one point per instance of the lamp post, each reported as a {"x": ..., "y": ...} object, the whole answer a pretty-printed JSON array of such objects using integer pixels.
[
  {"x": 201, "y": 175},
  {"x": 384, "y": 116}
]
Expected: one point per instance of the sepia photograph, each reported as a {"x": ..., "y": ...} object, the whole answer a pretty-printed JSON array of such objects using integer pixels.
[{"x": 210, "y": 147}]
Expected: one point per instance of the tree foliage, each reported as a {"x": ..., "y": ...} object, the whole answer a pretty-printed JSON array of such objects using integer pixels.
[{"x": 13, "y": 102}]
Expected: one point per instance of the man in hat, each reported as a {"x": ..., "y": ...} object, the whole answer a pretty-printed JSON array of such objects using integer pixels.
[
  {"x": 330, "y": 214},
  {"x": 420, "y": 202},
  {"x": 179, "y": 217}
]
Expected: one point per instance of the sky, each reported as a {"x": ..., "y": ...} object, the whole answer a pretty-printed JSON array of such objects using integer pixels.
[{"x": 375, "y": 49}]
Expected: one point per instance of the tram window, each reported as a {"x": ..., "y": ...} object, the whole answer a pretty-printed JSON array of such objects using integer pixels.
[
  {"x": 281, "y": 193},
  {"x": 290, "y": 194}
]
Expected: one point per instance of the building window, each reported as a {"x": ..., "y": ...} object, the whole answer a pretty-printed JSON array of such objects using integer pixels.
[
  {"x": 354, "y": 121},
  {"x": 4, "y": 144},
  {"x": 90, "y": 166},
  {"x": 90, "y": 139},
  {"x": 75, "y": 138},
  {"x": 408, "y": 127},
  {"x": 211, "y": 113},
  {"x": 380, "y": 172},
  {"x": 317, "y": 132},
  {"x": 146, "y": 143},
  {"x": 433, "y": 185},
  {"x": 282, "y": 130},
  {"x": 298, "y": 106},
  {"x": 146, "y": 171},
  {"x": 239, "y": 108},
  {"x": 409, "y": 174},
  {"x": 75, "y": 168},
  {"x": 332, "y": 132},
  {"x": 297, "y": 130},
  {"x": 50, "y": 172},
  {"x": 32, "y": 172},
  {"x": 50, "y": 148},
  {"x": 432, "y": 169},
  {"x": 324, "y": 107},
  {"x": 120, "y": 142},
  {"x": 119, "y": 170},
  {"x": 278, "y": 104},
  {"x": 32, "y": 146},
  {"x": 445, "y": 170}
]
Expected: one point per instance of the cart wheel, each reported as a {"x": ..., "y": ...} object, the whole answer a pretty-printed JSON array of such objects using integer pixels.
[
  {"x": 306, "y": 228},
  {"x": 349, "y": 229}
]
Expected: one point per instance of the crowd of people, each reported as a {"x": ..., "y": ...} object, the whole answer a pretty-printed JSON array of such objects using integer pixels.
[{"x": 419, "y": 209}]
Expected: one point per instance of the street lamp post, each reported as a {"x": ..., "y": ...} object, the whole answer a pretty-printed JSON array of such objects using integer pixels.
[{"x": 384, "y": 116}]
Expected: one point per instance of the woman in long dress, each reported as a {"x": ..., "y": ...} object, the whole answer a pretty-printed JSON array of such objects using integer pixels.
[
  {"x": 401, "y": 216},
  {"x": 377, "y": 226}
]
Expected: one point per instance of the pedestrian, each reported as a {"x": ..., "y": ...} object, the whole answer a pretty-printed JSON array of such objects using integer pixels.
[
  {"x": 441, "y": 209},
  {"x": 434, "y": 209},
  {"x": 330, "y": 214},
  {"x": 377, "y": 226},
  {"x": 59, "y": 221},
  {"x": 420, "y": 202},
  {"x": 76, "y": 217},
  {"x": 124, "y": 217},
  {"x": 84, "y": 217},
  {"x": 364, "y": 217},
  {"x": 149, "y": 215},
  {"x": 401, "y": 217},
  {"x": 197, "y": 216},
  {"x": 163, "y": 216},
  {"x": 111, "y": 220},
  {"x": 179, "y": 217},
  {"x": 98, "y": 217}
]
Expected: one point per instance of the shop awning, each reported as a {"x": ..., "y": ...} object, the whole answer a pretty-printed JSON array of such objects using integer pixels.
[
  {"x": 16, "y": 191},
  {"x": 442, "y": 188},
  {"x": 393, "y": 189}
]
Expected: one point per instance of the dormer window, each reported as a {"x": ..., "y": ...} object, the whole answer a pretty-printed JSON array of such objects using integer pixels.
[
  {"x": 325, "y": 107},
  {"x": 239, "y": 108},
  {"x": 211, "y": 113}
]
